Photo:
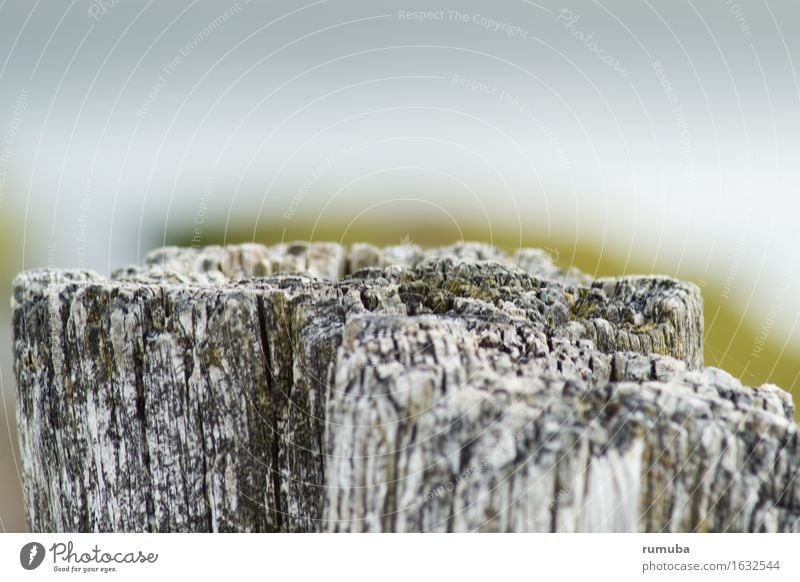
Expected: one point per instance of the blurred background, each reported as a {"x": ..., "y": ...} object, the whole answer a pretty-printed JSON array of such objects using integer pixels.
[{"x": 655, "y": 136}]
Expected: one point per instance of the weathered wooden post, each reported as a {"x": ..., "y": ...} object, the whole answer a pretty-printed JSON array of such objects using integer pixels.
[{"x": 304, "y": 387}]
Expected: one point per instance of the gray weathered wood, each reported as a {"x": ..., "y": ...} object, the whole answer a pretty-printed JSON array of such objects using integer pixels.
[{"x": 305, "y": 387}]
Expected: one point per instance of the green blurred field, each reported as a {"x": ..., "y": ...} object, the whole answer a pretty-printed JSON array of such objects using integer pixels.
[{"x": 730, "y": 334}]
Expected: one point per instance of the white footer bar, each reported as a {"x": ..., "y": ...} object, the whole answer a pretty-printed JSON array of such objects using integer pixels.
[{"x": 397, "y": 557}]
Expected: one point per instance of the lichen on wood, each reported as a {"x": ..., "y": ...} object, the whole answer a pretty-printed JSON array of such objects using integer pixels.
[{"x": 309, "y": 387}]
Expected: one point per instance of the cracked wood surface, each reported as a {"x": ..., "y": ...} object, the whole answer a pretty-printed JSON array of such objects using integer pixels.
[{"x": 309, "y": 387}]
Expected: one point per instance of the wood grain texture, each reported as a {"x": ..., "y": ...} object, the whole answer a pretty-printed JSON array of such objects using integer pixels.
[{"x": 308, "y": 387}]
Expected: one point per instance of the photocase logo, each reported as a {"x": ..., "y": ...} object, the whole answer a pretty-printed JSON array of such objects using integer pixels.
[{"x": 31, "y": 555}]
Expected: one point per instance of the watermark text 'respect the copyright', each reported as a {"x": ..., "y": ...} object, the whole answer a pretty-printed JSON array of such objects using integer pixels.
[{"x": 490, "y": 24}]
